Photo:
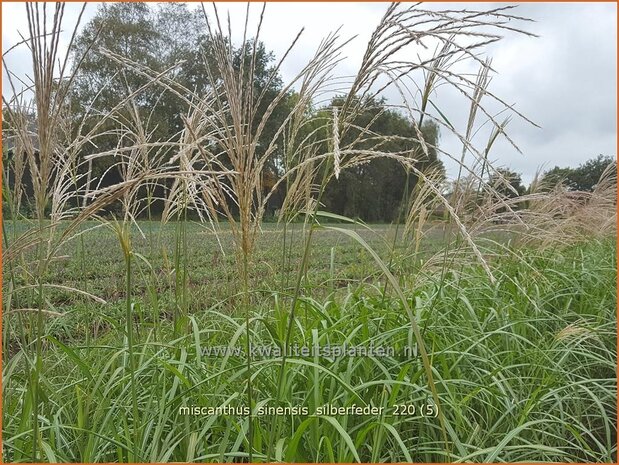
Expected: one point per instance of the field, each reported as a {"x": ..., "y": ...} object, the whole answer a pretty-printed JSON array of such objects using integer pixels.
[
  {"x": 97, "y": 265},
  {"x": 525, "y": 368}
]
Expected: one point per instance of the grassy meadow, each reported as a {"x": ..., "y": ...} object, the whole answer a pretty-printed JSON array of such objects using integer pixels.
[{"x": 186, "y": 277}]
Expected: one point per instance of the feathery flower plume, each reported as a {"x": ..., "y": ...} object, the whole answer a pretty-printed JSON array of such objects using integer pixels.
[{"x": 336, "y": 144}]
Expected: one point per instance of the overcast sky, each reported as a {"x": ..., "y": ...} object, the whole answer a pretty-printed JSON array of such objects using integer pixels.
[{"x": 565, "y": 80}]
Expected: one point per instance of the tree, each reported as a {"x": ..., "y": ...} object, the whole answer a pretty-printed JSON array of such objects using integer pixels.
[
  {"x": 559, "y": 175},
  {"x": 377, "y": 190},
  {"x": 507, "y": 183},
  {"x": 588, "y": 174},
  {"x": 167, "y": 37},
  {"x": 128, "y": 30},
  {"x": 583, "y": 178}
]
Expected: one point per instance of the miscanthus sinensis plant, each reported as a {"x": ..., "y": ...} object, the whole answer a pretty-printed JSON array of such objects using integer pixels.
[{"x": 216, "y": 168}]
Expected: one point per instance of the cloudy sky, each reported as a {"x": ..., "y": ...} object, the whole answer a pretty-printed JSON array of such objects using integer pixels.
[{"x": 565, "y": 80}]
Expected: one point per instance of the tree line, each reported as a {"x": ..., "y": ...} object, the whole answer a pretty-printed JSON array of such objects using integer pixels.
[
  {"x": 583, "y": 178},
  {"x": 171, "y": 36}
]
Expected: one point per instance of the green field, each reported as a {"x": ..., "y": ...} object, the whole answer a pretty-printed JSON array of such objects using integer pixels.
[{"x": 94, "y": 263}]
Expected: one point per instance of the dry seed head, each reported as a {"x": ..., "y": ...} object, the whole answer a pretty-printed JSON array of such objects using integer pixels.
[
  {"x": 336, "y": 144},
  {"x": 573, "y": 330}
]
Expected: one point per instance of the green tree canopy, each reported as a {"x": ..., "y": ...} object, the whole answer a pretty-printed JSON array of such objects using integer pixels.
[
  {"x": 507, "y": 183},
  {"x": 582, "y": 178},
  {"x": 375, "y": 191},
  {"x": 167, "y": 36}
]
